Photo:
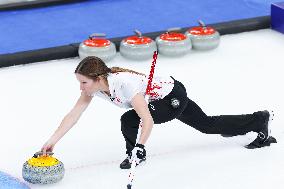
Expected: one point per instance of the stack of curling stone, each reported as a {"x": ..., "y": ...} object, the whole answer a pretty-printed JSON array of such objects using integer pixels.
[
  {"x": 43, "y": 169},
  {"x": 97, "y": 46},
  {"x": 173, "y": 43},
  {"x": 137, "y": 47},
  {"x": 203, "y": 37}
]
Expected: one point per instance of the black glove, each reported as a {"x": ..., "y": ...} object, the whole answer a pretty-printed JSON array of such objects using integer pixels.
[
  {"x": 138, "y": 154},
  {"x": 141, "y": 152}
]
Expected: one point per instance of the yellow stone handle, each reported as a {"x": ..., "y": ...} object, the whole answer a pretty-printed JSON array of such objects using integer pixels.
[
  {"x": 39, "y": 160},
  {"x": 40, "y": 153}
]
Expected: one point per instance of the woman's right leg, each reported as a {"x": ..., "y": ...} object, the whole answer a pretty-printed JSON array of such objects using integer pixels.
[{"x": 222, "y": 124}]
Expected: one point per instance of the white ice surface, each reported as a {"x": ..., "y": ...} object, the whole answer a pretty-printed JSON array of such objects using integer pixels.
[{"x": 244, "y": 74}]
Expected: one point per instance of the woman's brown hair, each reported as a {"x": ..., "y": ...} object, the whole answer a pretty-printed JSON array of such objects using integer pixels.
[{"x": 92, "y": 67}]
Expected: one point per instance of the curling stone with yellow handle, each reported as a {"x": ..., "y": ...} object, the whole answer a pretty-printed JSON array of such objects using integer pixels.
[{"x": 43, "y": 169}]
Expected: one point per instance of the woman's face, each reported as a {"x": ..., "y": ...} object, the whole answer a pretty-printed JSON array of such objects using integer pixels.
[{"x": 87, "y": 85}]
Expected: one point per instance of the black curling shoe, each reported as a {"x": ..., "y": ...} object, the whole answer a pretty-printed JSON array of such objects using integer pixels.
[
  {"x": 263, "y": 138},
  {"x": 126, "y": 164}
]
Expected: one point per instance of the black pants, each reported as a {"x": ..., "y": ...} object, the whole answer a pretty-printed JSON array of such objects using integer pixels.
[{"x": 191, "y": 114}]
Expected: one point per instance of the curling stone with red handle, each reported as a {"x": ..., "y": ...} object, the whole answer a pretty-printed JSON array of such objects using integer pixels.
[
  {"x": 203, "y": 37},
  {"x": 137, "y": 47},
  {"x": 43, "y": 169},
  {"x": 97, "y": 46},
  {"x": 173, "y": 43}
]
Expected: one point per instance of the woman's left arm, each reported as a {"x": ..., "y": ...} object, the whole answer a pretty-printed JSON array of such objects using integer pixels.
[{"x": 141, "y": 107}]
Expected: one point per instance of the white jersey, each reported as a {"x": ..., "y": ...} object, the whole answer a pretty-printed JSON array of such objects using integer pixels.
[{"x": 123, "y": 86}]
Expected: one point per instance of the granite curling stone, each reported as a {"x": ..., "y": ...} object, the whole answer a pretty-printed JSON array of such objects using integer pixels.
[
  {"x": 203, "y": 37},
  {"x": 43, "y": 169},
  {"x": 173, "y": 43},
  {"x": 137, "y": 47},
  {"x": 97, "y": 46}
]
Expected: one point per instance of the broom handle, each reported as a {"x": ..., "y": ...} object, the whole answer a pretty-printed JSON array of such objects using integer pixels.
[{"x": 148, "y": 90}]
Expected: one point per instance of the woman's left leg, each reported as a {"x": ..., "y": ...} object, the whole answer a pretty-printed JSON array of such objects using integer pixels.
[{"x": 161, "y": 111}]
